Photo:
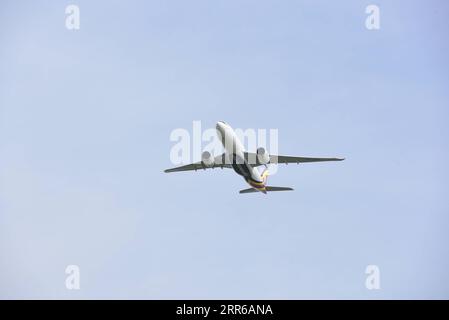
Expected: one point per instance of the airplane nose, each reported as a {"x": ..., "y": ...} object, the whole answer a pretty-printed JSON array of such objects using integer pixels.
[{"x": 219, "y": 126}]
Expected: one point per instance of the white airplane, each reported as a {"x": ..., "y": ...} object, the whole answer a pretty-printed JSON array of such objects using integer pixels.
[{"x": 244, "y": 163}]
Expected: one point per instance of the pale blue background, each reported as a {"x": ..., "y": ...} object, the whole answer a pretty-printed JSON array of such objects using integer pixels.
[{"x": 84, "y": 138}]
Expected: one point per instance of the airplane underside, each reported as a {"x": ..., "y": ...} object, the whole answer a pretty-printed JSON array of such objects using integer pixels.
[{"x": 242, "y": 168}]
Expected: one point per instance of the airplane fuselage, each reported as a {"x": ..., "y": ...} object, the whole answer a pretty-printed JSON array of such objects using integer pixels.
[{"x": 235, "y": 151}]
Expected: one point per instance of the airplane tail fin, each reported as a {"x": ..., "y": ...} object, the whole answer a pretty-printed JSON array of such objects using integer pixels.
[
  {"x": 265, "y": 175},
  {"x": 267, "y": 188}
]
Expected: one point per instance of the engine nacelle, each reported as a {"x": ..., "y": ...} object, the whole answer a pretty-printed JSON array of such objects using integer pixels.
[
  {"x": 262, "y": 156},
  {"x": 207, "y": 159}
]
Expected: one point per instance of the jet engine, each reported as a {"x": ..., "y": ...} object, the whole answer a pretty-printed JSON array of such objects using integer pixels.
[
  {"x": 262, "y": 156},
  {"x": 207, "y": 159}
]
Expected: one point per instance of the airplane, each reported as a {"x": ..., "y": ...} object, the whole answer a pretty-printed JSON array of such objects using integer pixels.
[{"x": 245, "y": 163}]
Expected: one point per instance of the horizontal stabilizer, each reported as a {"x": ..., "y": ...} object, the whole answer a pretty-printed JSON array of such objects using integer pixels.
[
  {"x": 268, "y": 188},
  {"x": 250, "y": 190}
]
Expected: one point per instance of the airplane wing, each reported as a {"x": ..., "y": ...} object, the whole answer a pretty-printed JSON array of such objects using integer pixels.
[
  {"x": 290, "y": 159},
  {"x": 287, "y": 159},
  {"x": 219, "y": 162}
]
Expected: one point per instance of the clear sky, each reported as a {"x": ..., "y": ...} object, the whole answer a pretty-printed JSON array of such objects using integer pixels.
[{"x": 85, "y": 120}]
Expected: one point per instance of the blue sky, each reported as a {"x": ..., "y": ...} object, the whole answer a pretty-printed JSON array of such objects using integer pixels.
[{"x": 84, "y": 137}]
